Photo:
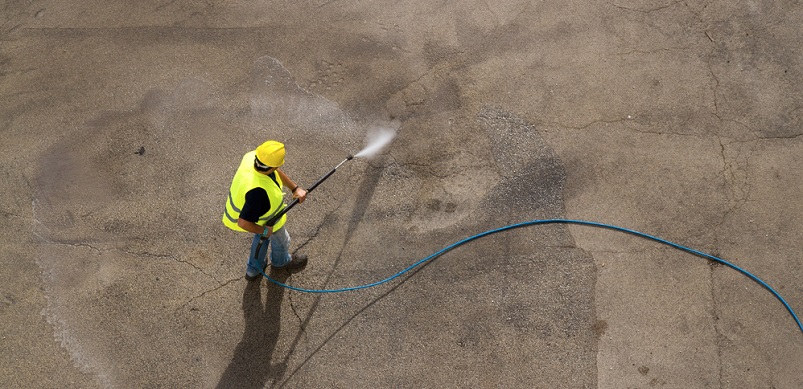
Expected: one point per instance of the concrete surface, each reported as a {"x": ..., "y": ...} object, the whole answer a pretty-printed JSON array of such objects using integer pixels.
[{"x": 122, "y": 124}]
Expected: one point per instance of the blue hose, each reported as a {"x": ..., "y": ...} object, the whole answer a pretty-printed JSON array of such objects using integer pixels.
[{"x": 549, "y": 221}]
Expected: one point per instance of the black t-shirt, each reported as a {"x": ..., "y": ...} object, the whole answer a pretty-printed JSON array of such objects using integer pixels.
[{"x": 257, "y": 203}]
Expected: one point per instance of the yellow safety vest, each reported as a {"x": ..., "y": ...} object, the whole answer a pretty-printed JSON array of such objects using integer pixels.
[{"x": 248, "y": 178}]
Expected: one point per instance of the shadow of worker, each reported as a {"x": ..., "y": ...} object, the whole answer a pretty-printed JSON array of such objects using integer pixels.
[{"x": 251, "y": 365}]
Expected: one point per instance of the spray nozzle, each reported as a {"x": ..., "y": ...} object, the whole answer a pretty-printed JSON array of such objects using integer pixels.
[{"x": 349, "y": 158}]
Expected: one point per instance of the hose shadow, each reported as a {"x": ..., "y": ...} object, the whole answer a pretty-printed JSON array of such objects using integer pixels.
[
  {"x": 364, "y": 195},
  {"x": 348, "y": 321},
  {"x": 251, "y": 365}
]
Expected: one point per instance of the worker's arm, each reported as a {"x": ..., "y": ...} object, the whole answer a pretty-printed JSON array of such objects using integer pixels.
[
  {"x": 298, "y": 192},
  {"x": 253, "y": 227}
]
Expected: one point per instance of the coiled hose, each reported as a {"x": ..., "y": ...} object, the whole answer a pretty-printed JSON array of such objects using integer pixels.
[{"x": 550, "y": 221}]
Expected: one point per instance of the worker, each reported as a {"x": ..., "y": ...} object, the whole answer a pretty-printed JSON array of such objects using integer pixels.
[{"x": 255, "y": 197}]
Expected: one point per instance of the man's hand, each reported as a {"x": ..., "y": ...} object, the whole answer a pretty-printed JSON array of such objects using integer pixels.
[{"x": 300, "y": 194}]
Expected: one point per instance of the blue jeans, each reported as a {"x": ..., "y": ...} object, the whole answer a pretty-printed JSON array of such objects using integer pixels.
[{"x": 279, "y": 252}]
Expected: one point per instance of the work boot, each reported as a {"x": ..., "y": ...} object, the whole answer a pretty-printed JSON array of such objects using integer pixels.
[
  {"x": 296, "y": 262},
  {"x": 258, "y": 276}
]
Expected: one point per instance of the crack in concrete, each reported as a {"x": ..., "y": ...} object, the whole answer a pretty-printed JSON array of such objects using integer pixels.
[
  {"x": 587, "y": 125},
  {"x": 630, "y": 251},
  {"x": 326, "y": 3},
  {"x": 491, "y": 10},
  {"x": 737, "y": 187},
  {"x": 795, "y": 136},
  {"x": 615, "y": 121},
  {"x": 10, "y": 19},
  {"x": 83, "y": 244},
  {"x": 342, "y": 326},
  {"x": 734, "y": 170},
  {"x": 630, "y": 119},
  {"x": 434, "y": 71},
  {"x": 301, "y": 325},
  {"x": 221, "y": 285},
  {"x": 146, "y": 254},
  {"x": 311, "y": 238},
  {"x": 318, "y": 229},
  {"x": 717, "y": 333},
  {"x": 164, "y": 5},
  {"x": 716, "y": 91},
  {"x": 315, "y": 234},
  {"x": 697, "y": 14},
  {"x": 717, "y": 114},
  {"x": 101, "y": 250},
  {"x": 14, "y": 215},
  {"x": 171, "y": 257},
  {"x": 646, "y": 11},
  {"x": 647, "y": 52},
  {"x": 428, "y": 167}
]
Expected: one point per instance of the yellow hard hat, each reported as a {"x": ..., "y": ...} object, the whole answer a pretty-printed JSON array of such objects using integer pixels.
[{"x": 271, "y": 153}]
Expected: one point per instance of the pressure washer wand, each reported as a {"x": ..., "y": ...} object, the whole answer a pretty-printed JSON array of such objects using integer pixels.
[{"x": 312, "y": 187}]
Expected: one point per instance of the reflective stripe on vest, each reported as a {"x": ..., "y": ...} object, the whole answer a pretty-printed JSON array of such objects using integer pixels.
[
  {"x": 262, "y": 219},
  {"x": 244, "y": 180}
]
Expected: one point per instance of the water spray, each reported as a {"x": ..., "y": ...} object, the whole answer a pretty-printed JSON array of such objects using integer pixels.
[{"x": 376, "y": 140}]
